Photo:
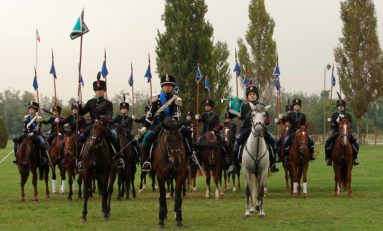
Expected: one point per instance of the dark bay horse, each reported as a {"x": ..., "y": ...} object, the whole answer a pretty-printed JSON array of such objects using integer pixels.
[
  {"x": 341, "y": 155},
  {"x": 169, "y": 160},
  {"x": 70, "y": 160},
  {"x": 229, "y": 155},
  {"x": 55, "y": 156},
  {"x": 28, "y": 160},
  {"x": 97, "y": 159},
  {"x": 299, "y": 156},
  {"x": 286, "y": 166},
  {"x": 212, "y": 163},
  {"x": 126, "y": 174}
]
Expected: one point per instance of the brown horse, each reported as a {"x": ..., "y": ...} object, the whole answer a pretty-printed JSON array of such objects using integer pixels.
[
  {"x": 126, "y": 174},
  {"x": 70, "y": 160},
  {"x": 55, "y": 156},
  {"x": 341, "y": 156},
  {"x": 281, "y": 148},
  {"x": 212, "y": 163},
  {"x": 169, "y": 160},
  {"x": 229, "y": 155},
  {"x": 299, "y": 161},
  {"x": 97, "y": 159},
  {"x": 28, "y": 160}
]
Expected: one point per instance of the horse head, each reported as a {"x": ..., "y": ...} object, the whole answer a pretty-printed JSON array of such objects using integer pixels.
[
  {"x": 98, "y": 131},
  {"x": 258, "y": 117},
  {"x": 171, "y": 125},
  {"x": 344, "y": 129},
  {"x": 302, "y": 139},
  {"x": 173, "y": 140},
  {"x": 69, "y": 145}
]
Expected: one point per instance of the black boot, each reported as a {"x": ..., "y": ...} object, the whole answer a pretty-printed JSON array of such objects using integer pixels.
[
  {"x": 43, "y": 157},
  {"x": 355, "y": 159},
  {"x": 146, "y": 166},
  {"x": 328, "y": 159},
  {"x": 234, "y": 163},
  {"x": 273, "y": 166}
]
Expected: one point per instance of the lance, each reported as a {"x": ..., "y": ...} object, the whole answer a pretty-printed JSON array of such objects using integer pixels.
[
  {"x": 131, "y": 70},
  {"x": 150, "y": 80},
  {"x": 53, "y": 72},
  {"x": 106, "y": 79},
  {"x": 197, "y": 106},
  {"x": 329, "y": 101},
  {"x": 236, "y": 73}
]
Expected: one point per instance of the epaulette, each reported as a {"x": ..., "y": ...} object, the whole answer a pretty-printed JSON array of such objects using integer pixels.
[{"x": 155, "y": 98}]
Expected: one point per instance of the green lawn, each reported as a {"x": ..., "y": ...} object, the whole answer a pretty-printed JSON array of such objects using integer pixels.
[{"x": 321, "y": 211}]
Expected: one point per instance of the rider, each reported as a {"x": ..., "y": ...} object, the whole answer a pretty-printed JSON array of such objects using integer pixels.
[
  {"x": 71, "y": 120},
  {"x": 123, "y": 120},
  {"x": 142, "y": 121},
  {"x": 228, "y": 123},
  {"x": 32, "y": 128},
  {"x": 341, "y": 105},
  {"x": 188, "y": 122},
  {"x": 100, "y": 106},
  {"x": 164, "y": 105},
  {"x": 296, "y": 119},
  {"x": 285, "y": 122},
  {"x": 56, "y": 121},
  {"x": 210, "y": 121},
  {"x": 244, "y": 132}
]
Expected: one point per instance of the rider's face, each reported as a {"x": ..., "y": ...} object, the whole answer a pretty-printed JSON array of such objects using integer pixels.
[
  {"x": 31, "y": 110},
  {"x": 55, "y": 113},
  {"x": 167, "y": 88},
  {"x": 341, "y": 108},
  {"x": 188, "y": 117},
  {"x": 124, "y": 111},
  {"x": 100, "y": 93},
  {"x": 208, "y": 108},
  {"x": 252, "y": 96},
  {"x": 297, "y": 107},
  {"x": 74, "y": 111}
]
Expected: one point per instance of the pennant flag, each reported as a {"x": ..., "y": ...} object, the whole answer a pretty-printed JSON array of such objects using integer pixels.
[
  {"x": 277, "y": 84},
  {"x": 104, "y": 70},
  {"x": 131, "y": 76},
  {"x": 53, "y": 69},
  {"x": 79, "y": 28},
  {"x": 207, "y": 84},
  {"x": 148, "y": 73},
  {"x": 198, "y": 74},
  {"x": 37, "y": 36},
  {"x": 276, "y": 70},
  {"x": 246, "y": 81},
  {"x": 81, "y": 81},
  {"x": 237, "y": 69},
  {"x": 35, "y": 85},
  {"x": 176, "y": 87},
  {"x": 333, "y": 80}
]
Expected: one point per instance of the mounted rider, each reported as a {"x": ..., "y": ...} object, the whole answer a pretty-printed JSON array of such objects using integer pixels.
[
  {"x": 210, "y": 121},
  {"x": 244, "y": 132},
  {"x": 164, "y": 105},
  {"x": 100, "y": 106},
  {"x": 188, "y": 122},
  {"x": 341, "y": 106},
  {"x": 32, "y": 128},
  {"x": 285, "y": 122},
  {"x": 56, "y": 121},
  {"x": 124, "y": 121},
  {"x": 71, "y": 120},
  {"x": 296, "y": 119},
  {"x": 229, "y": 124}
]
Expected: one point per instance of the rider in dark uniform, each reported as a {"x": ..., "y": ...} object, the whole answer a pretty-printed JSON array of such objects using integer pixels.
[
  {"x": 32, "y": 128},
  {"x": 100, "y": 106},
  {"x": 157, "y": 113},
  {"x": 210, "y": 121},
  {"x": 244, "y": 132},
  {"x": 188, "y": 122},
  {"x": 142, "y": 121},
  {"x": 71, "y": 120},
  {"x": 55, "y": 121},
  {"x": 341, "y": 105},
  {"x": 123, "y": 120},
  {"x": 285, "y": 122},
  {"x": 296, "y": 119},
  {"x": 230, "y": 125}
]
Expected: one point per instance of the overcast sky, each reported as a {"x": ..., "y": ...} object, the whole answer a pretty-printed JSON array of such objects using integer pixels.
[{"x": 306, "y": 33}]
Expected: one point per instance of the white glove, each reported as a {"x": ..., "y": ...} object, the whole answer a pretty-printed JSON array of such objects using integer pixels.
[
  {"x": 337, "y": 119},
  {"x": 133, "y": 117},
  {"x": 39, "y": 119},
  {"x": 276, "y": 120},
  {"x": 142, "y": 130},
  {"x": 30, "y": 134},
  {"x": 197, "y": 117},
  {"x": 179, "y": 102},
  {"x": 329, "y": 120},
  {"x": 57, "y": 120},
  {"x": 280, "y": 116}
]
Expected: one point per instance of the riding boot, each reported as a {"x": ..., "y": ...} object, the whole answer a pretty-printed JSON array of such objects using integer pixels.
[
  {"x": 273, "y": 166},
  {"x": 43, "y": 156},
  {"x": 15, "y": 152},
  {"x": 146, "y": 166},
  {"x": 136, "y": 148},
  {"x": 235, "y": 162},
  {"x": 328, "y": 158},
  {"x": 355, "y": 158}
]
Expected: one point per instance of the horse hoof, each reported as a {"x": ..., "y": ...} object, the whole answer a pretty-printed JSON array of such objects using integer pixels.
[
  {"x": 167, "y": 195},
  {"x": 179, "y": 224},
  {"x": 252, "y": 210},
  {"x": 350, "y": 195},
  {"x": 305, "y": 195},
  {"x": 22, "y": 199},
  {"x": 262, "y": 215},
  {"x": 234, "y": 189},
  {"x": 83, "y": 219},
  {"x": 295, "y": 195},
  {"x": 35, "y": 199},
  {"x": 194, "y": 188},
  {"x": 247, "y": 214},
  {"x": 161, "y": 225}
]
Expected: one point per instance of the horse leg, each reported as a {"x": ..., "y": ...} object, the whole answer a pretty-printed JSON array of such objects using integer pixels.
[
  {"x": 294, "y": 179},
  {"x": 46, "y": 179},
  {"x": 103, "y": 189},
  {"x": 261, "y": 192},
  {"x": 162, "y": 200},
  {"x": 287, "y": 189},
  {"x": 62, "y": 172},
  {"x": 132, "y": 176},
  {"x": 110, "y": 183},
  {"x": 34, "y": 182},
  {"x": 119, "y": 183},
  {"x": 127, "y": 183},
  {"x": 142, "y": 178},
  {"x": 79, "y": 182},
  {"x": 178, "y": 200},
  {"x": 54, "y": 181},
  {"x": 239, "y": 177},
  {"x": 87, "y": 186},
  {"x": 70, "y": 181},
  {"x": 23, "y": 180},
  {"x": 349, "y": 170},
  {"x": 207, "y": 194},
  {"x": 337, "y": 179},
  {"x": 304, "y": 180},
  {"x": 248, "y": 194}
]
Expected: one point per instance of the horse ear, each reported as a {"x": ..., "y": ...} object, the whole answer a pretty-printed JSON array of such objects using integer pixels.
[{"x": 267, "y": 108}]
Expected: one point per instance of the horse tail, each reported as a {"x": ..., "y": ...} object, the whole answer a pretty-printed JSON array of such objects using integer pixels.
[
  {"x": 343, "y": 173},
  {"x": 41, "y": 172}
]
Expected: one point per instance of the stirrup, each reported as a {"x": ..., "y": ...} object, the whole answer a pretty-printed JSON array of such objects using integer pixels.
[
  {"x": 43, "y": 161},
  {"x": 79, "y": 166},
  {"x": 232, "y": 169},
  {"x": 14, "y": 162},
  {"x": 120, "y": 163},
  {"x": 146, "y": 166},
  {"x": 355, "y": 161},
  {"x": 273, "y": 168},
  {"x": 328, "y": 162}
]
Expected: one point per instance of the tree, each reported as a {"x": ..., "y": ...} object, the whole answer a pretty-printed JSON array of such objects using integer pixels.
[
  {"x": 359, "y": 57},
  {"x": 3, "y": 134},
  {"x": 259, "y": 54},
  {"x": 188, "y": 42}
]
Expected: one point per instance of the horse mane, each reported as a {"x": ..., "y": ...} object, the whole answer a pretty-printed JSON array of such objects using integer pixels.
[
  {"x": 171, "y": 124},
  {"x": 259, "y": 107}
]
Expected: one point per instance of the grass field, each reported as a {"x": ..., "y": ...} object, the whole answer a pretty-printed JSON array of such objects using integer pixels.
[{"x": 321, "y": 211}]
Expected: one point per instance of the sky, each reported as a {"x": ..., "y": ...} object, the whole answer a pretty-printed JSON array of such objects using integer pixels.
[{"x": 306, "y": 33}]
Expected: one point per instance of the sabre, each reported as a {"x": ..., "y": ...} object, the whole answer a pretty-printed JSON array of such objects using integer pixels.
[{"x": 196, "y": 160}]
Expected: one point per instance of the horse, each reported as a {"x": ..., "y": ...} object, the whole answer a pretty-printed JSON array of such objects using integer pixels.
[
  {"x": 212, "y": 162},
  {"x": 229, "y": 155},
  {"x": 299, "y": 156},
  {"x": 341, "y": 156},
  {"x": 126, "y": 174},
  {"x": 169, "y": 160},
  {"x": 70, "y": 160},
  {"x": 97, "y": 158},
  {"x": 56, "y": 159},
  {"x": 255, "y": 161},
  {"x": 286, "y": 166},
  {"x": 28, "y": 159}
]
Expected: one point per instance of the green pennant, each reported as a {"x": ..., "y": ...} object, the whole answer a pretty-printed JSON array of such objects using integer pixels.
[{"x": 79, "y": 29}]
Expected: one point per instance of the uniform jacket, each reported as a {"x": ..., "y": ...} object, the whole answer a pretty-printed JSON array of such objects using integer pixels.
[
  {"x": 152, "y": 119},
  {"x": 334, "y": 117},
  {"x": 97, "y": 107}
]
